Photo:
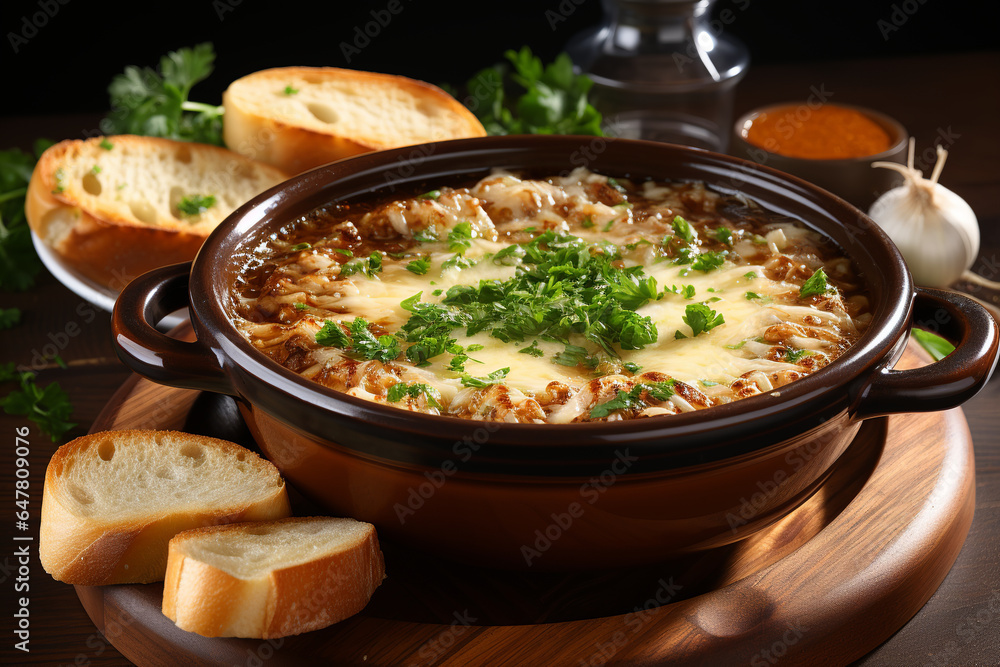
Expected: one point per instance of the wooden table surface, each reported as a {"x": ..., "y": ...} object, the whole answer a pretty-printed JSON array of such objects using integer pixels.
[{"x": 954, "y": 98}]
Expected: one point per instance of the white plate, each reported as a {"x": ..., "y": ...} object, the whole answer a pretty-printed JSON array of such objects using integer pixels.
[{"x": 100, "y": 295}]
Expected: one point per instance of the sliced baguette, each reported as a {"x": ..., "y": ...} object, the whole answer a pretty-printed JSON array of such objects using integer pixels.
[
  {"x": 271, "y": 579},
  {"x": 112, "y": 501},
  {"x": 113, "y": 213},
  {"x": 297, "y": 118}
]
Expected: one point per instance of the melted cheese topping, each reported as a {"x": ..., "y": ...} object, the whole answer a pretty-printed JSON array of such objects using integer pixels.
[{"x": 770, "y": 335}]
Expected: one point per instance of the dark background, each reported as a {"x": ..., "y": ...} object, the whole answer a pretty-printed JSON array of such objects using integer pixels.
[{"x": 69, "y": 58}]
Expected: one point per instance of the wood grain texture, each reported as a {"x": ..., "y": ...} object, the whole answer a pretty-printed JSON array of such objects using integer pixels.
[{"x": 824, "y": 585}]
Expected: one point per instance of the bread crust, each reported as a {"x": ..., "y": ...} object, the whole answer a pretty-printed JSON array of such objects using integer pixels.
[
  {"x": 98, "y": 241},
  {"x": 309, "y": 596},
  {"x": 271, "y": 138},
  {"x": 93, "y": 551}
]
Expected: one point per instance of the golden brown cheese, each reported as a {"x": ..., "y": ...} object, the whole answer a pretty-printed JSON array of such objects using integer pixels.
[{"x": 771, "y": 335}]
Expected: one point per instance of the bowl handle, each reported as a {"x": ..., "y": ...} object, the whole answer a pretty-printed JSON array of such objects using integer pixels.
[
  {"x": 947, "y": 383},
  {"x": 144, "y": 302}
]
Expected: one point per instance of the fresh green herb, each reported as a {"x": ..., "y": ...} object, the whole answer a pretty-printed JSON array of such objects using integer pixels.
[
  {"x": 533, "y": 350},
  {"x": 19, "y": 264},
  {"x": 701, "y": 318},
  {"x": 496, "y": 377},
  {"x": 95, "y": 170},
  {"x": 750, "y": 275},
  {"x": 737, "y": 346},
  {"x": 370, "y": 266},
  {"x": 401, "y": 390},
  {"x": 587, "y": 222},
  {"x": 155, "y": 104},
  {"x": 433, "y": 194},
  {"x": 458, "y": 262},
  {"x": 553, "y": 99},
  {"x": 60, "y": 176},
  {"x": 301, "y": 306},
  {"x": 632, "y": 367},
  {"x": 633, "y": 398},
  {"x": 195, "y": 204},
  {"x": 758, "y": 239},
  {"x": 49, "y": 407},
  {"x": 332, "y": 335},
  {"x": 574, "y": 355},
  {"x": 346, "y": 252},
  {"x": 936, "y": 346},
  {"x": 815, "y": 285},
  {"x": 708, "y": 383},
  {"x": 611, "y": 223},
  {"x": 793, "y": 356},
  {"x": 750, "y": 296},
  {"x": 290, "y": 91},
  {"x": 9, "y": 317},
  {"x": 683, "y": 229},
  {"x": 613, "y": 182},
  {"x": 419, "y": 266},
  {"x": 361, "y": 340},
  {"x": 709, "y": 261},
  {"x": 723, "y": 235},
  {"x": 687, "y": 291},
  {"x": 428, "y": 235},
  {"x": 438, "y": 292},
  {"x": 105, "y": 144},
  {"x": 678, "y": 335},
  {"x": 460, "y": 237}
]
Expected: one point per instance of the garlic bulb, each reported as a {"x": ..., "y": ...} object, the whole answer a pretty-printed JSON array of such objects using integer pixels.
[{"x": 936, "y": 230}]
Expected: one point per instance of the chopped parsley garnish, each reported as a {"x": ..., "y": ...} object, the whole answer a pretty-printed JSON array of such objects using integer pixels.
[
  {"x": 305, "y": 246},
  {"x": 290, "y": 91},
  {"x": 533, "y": 350},
  {"x": 574, "y": 355},
  {"x": 750, "y": 275},
  {"x": 105, "y": 144},
  {"x": 370, "y": 266},
  {"x": 616, "y": 185},
  {"x": 793, "y": 356},
  {"x": 708, "y": 261},
  {"x": 60, "y": 176},
  {"x": 737, "y": 346},
  {"x": 458, "y": 262},
  {"x": 49, "y": 407},
  {"x": 496, "y": 377},
  {"x": 419, "y": 266},
  {"x": 457, "y": 363},
  {"x": 301, "y": 306},
  {"x": 631, "y": 367},
  {"x": 195, "y": 204},
  {"x": 347, "y": 252},
  {"x": 428, "y": 235},
  {"x": 401, "y": 390},
  {"x": 587, "y": 223},
  {"x": 433, "y": 194},
  {"x": 750, "y": 296},
  {"x": 815, "y": 285},
  {"x": 708, "y": 383},
  {"x": 687, "y": 291},
  {"x": 723, "y": 235},
  {"x": 361, "y": 340},
  {"x": 96, "y": 169},
  {"x": 683, "y": 229},
  {"x": 701, "y": 318},
  {"x": 460, "y": 237},
  {"x": 633, "y": 398}
]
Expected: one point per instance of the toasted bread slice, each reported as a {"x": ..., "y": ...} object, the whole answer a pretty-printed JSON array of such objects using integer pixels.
[
  {"x": 116, "y": 207},
  {"x": 297, "y": 118},
  {"x": 113, "y": 500},
  {"x": 271, "y": 579}
]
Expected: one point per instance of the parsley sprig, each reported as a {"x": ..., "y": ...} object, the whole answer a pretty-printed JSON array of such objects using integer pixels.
[
  {"x": 48, "y": 406},
  {"x": 634, "y": 398},
  {"x": 552, "y": 98},
  {"x": 401, "y": 390},
  {"x": 155, "y": 103},
  {"x": 18, "y": 262},
  {"x": 360, "y": 341}
]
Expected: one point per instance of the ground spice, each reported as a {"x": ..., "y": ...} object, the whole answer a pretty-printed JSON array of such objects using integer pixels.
[{"x": 827, "y": 132}]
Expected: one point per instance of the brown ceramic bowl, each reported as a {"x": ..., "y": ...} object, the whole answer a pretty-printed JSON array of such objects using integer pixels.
[
  {"x": 545, "y": 496},
  {"x": 853, "y": 179}
]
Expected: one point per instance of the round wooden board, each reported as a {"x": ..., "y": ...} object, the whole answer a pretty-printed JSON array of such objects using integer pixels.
[{"x": 824, "y": 586}]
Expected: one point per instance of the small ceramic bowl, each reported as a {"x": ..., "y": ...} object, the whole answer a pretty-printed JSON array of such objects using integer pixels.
[{"x": 853, "y": 179}]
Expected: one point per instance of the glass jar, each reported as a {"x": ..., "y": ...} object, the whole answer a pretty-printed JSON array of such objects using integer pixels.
[{"x": 663, "y": 71}]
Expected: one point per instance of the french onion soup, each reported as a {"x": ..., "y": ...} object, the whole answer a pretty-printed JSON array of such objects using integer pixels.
[{"x": 563, "y": 299}]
